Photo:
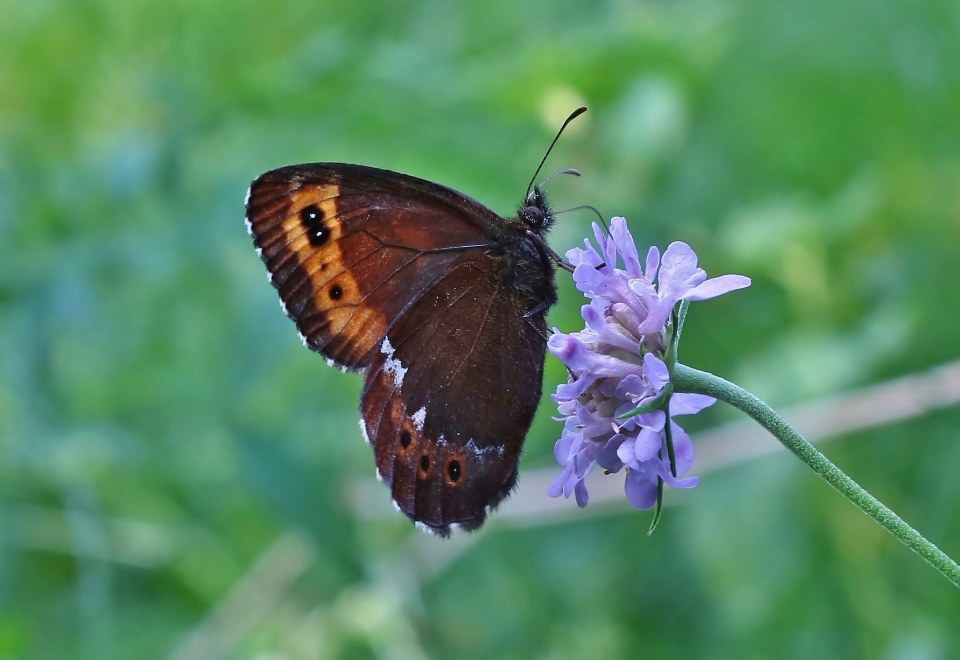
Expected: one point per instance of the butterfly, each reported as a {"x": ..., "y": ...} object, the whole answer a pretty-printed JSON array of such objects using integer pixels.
[{"x": 438, "y": 301}]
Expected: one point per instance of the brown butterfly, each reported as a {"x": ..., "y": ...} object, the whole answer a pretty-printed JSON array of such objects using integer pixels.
[{"x": 440, "y": 303}]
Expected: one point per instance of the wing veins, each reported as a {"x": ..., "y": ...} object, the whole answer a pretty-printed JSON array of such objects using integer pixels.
[
  {"x": 308, "y": 280},
  {"x": 420, "y": 376},
  {"x": 361, "y": 259},
  {"x": 312, "y": 184},
  {"x": 433, "y": 285},
  {"x": 356, "y": 305},
  {"x": 476, "y": 340}
]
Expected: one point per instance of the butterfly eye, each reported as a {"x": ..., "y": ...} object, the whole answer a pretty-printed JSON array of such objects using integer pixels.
[{"x": 533, "y": 216}]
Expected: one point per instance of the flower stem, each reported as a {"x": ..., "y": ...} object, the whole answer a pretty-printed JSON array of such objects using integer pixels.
[{"x": 687, "y": 379}]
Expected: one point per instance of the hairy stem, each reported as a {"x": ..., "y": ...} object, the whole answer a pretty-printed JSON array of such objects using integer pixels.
[{"x": 687, "y": 379}]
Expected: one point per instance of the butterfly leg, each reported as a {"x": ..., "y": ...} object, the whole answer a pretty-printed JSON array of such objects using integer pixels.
[
  {"x": 544, "y": 335},
  {"x": 560, "y": 261},
  {"x": 542, "y": 307},
  {"x": 528, "y": 319}
]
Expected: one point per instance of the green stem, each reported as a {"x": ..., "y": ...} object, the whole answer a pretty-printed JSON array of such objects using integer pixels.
[{"x": 687, "y": 379}]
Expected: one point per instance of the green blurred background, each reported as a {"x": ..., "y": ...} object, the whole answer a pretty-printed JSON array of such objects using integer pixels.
[{"x": 179, "y": 477}]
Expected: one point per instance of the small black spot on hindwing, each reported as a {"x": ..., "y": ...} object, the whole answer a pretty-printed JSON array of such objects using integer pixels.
[
  {"x": 453, "y": 470},
  {"x": 405, "y": 439},
  {"x": 336, "y": 292},
  {"x": 425, "y": 463}
]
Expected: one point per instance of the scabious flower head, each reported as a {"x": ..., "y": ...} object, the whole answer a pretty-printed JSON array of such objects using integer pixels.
[{"x": 617, "y": 366}]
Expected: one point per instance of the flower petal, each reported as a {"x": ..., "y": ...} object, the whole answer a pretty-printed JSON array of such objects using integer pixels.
[
  {"x": 580, "y": 490},
  {"x": 558, "y": 486},
  {"x": 653, "y": 263},
  {"x": 625, "y": 452},
  {"x": 624, "y": 242},
  {"x": 608, "y": 457},
  {"x": 684, "y": 403},
  {"x": 679, "y": 482},
  {"x": 571, "y": 390},
  {"x": 717, "y": 286},
  {"x": 607, "y": 332},
  {"x": 654, "y": 420},
  {"x": 678, "y": 270},
  {"x": 640, "y": 490},
  {"x": 656, "y": 372},
  {"x": 589, "y": 280},
  {"x": 587, "y": 256},
  {"x": 682, "y": 449},
  {"x": 565, "y": 447},
  {"x": 632, "y": 388},
  {"x": 657, "y": 316},
  {"x": 647, "y": 444}
]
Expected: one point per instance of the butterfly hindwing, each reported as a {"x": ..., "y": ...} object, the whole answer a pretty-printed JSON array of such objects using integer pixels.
[
  {"x": 450, "y": 397},
  {"x": 429, "y": 293}
]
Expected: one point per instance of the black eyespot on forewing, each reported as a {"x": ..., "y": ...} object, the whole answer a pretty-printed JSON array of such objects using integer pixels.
[{"x": 313, "y": 221}]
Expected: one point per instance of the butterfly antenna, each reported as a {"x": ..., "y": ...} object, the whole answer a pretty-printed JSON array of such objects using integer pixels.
[
  {"x": 566, "y": 170},
  {"x": 587, "y": 207},
  {"x": 599, "y": 215},
  {"x": 573, "y": 115}
]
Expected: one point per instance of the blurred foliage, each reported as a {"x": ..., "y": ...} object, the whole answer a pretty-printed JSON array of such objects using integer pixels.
[{"x": 172, "y": 462}]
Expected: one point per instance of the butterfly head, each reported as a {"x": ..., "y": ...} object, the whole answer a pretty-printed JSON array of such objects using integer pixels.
[{"x": 535, "y": 213}]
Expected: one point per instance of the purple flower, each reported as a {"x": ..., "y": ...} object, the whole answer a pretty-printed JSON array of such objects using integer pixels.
[{"x": 617, "y": 366}]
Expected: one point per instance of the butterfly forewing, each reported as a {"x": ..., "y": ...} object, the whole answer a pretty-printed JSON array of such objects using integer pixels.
[
  {"x": 413, "y": 283},
  {"x": 348, "y": 248}
]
